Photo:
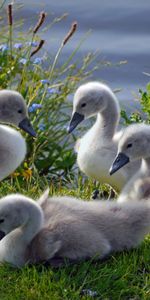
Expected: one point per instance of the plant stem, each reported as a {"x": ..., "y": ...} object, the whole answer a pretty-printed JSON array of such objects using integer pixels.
[
  {"x": 55, "y": 61},
  {"x": 77, "y": 48},
  {"x": 10, "y": 40},
  {"x": 2, "y": 4}
]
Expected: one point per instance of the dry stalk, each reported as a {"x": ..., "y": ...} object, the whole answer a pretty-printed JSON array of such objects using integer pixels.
[
  {"x": 40, "y": 22},
  {"x": 70, "y": 33},
  {"x": 9, "y": 13},
  {"x": 41, "y": 43}
]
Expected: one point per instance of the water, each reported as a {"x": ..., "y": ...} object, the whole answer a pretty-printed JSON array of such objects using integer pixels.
[{"x": 120, "y": 29}]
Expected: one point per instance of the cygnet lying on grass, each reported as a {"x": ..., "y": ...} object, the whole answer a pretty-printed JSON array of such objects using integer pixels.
[
  {"x": 133, "y": 145},
  {"x": 13, "y": 110},
  {"x": 98, "y": 147},
  {"x": 68, "y": 228}
]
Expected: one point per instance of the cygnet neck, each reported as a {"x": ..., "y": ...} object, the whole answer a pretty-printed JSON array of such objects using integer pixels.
[
  {"x": 108, "y": 119},
  {"x": 145, "y": 165},
  {"x": 34, "y": 220}
]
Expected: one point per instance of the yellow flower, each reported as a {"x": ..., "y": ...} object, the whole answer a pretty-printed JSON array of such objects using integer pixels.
[
  {"x": 15, "y": 174},
  {"x": 27, "y": 173}
]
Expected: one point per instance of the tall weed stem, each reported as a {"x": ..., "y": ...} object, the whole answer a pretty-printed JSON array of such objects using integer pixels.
[{"x": 10, "y": 23}]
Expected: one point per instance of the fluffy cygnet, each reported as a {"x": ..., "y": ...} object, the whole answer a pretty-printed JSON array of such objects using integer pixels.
[
  {"x": 68, "y": 228},
  {"x": 13, "y": 110},
  {"x": 133, "y": 145},
  {"x": 12, "y": 150},
  {"x": 77, "y": 229},
  {"x": 98, "y": 147}
]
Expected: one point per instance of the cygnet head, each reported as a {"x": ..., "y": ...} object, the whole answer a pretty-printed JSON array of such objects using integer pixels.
[
  {"x": 12, "y": 212},
  {"x": 13, "y": 110},
  {"x": 89, "y": 100},
  {"x": 134, "y": 144}
]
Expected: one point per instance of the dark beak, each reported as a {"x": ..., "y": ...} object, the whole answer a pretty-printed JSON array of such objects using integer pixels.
[
  {"x": 75, "y": 120},
  {"x": 120, "y": 161},
  {"x": 27, "y": 127}
]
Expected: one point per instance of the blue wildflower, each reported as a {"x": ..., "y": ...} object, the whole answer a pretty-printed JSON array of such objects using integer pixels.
[
  {"x": 4, "y": 47},
  {"x": 69, "y": 97},
  {"x": 89, "y": 292},
  {"x": 33, "y": 44},
  {"x": 23, "y": 61},
  {"x": 18, "y": 45},
  {"x": 34, "y": 107},
  {"x": 38, "y": 60},
  {"x": 30, "y": 109},
  {"x": 41, "y": 126},
  {"x": 53, "y": 90},
  {"x": 45, "y": 81}
]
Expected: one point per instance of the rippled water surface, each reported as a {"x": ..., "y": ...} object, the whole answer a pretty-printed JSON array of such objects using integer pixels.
[{"x": 120, "y": 29}]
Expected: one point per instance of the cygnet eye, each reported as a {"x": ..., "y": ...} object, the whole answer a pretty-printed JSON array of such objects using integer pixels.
[
  {"x": 1, "y": 221},
  {"x": 83, "y": 104},
  {"x": 20, "y": 111},
  {"x": 129, "y": 145}
]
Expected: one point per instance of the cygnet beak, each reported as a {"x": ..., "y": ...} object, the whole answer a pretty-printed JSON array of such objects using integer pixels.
[
  {"x": 27, "y": 127},
  {"x": 75, "y": 120},
  {"x": 120, "y": 161}
]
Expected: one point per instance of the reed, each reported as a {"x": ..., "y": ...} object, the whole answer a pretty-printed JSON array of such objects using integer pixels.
[
  {"x": 40, "y": 45},
  {"x": 10, "y": 24},
  {"x": 63, "y": 43},
  {"x": 40, "y": 22}
]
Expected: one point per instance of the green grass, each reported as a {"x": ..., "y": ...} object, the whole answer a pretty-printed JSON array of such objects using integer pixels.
[{"x": 123, "y": 276}]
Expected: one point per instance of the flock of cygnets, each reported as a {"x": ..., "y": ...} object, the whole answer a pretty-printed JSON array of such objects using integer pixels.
[{"x": 57, "y": 228}]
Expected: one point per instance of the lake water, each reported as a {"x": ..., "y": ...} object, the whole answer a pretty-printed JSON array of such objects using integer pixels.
[{"x": 120, "y": 29}]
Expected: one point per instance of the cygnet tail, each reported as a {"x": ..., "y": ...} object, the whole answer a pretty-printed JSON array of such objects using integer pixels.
[{"x": 42, "y": 201}]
